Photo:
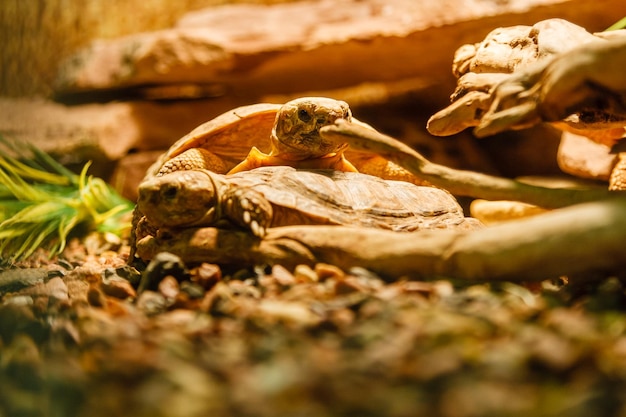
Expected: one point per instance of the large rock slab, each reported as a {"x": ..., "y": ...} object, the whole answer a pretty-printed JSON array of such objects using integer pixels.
[{"x": 249, "y": 51}]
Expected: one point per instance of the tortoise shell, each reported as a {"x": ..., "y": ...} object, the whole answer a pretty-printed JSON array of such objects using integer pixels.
[
  {"x": 227, "y": 139},
  {"x": 298, "y": 197},
  {"x": 350, "y": 198}
]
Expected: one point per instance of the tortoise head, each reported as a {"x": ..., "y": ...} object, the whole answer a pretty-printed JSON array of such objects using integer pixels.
[
  {"x": 180, "y": 198},
  {"x": 296, "y": 133}
]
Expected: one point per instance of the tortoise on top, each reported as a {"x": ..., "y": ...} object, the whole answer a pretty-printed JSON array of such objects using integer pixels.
[
  {"x": 272, "y": 134},
  {"x": 296, "y": 139}
]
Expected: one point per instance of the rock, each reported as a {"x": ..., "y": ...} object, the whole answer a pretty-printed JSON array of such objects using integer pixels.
[
  {"x": 192, "y": 290},
  {"x": 77, "y": 289},
  {"x": 282, "y": 276},
  {"x": 19, "y": 300},
  {"x": 308, "y": 46},
  {"x": 56, "y": 288},
  {"x": 20, "y": 319},
  {"x": 206, "y": 275},
  {"x": 162, "y": 265},
  {"x": 304, "y": 273},
  {"x": 130, "y": 170},
  {"x": 151, "y": 303},
  {"x": 22, "y": 359},
  {"x": 580, "y": 156},
  {"x": 96, "y": 297},
  {"x": 61, "y": 129},
  {"x": 44, "y": 294},
  {"x": 118, "y": 288},
  {"x": 169, "y": 288},
  {"x": 289, "y": 312},
  {"x": 490, "y": 212},
  {"x": 125, "y": 272},
  {"x": 327, "y": 271},
  {"x": 16, "y": 279},
  {"x": 349, "y": 285}
]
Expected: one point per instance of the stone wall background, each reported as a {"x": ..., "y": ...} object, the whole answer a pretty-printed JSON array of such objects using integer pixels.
[{"x": 37, "y": 34}]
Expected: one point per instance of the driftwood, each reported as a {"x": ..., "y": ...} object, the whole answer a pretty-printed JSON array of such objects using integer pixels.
[
  {"x": 587, "y": 237},
  {"x": 522, "y": 75},
  {"x": 459, "y": 182},
  {"x": 587, "y": 81}
]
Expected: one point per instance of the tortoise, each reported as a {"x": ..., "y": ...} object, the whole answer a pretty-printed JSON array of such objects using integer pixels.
[
  {"x": 281, "y": 195},
  {"x": 272, "y": 134}
]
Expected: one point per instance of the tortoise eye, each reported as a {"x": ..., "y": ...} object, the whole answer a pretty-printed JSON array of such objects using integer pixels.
[
  {"x": 169, "y": 192},
  {"x": 304, "y": 115}
]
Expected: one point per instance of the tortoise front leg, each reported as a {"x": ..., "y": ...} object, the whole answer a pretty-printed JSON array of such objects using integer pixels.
[
  {"x": 254, "y": 159},
  {"x": 248, "y": 208}
]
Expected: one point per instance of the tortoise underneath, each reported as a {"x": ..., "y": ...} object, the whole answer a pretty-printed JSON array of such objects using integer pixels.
[{"x": 280, "y": 196}]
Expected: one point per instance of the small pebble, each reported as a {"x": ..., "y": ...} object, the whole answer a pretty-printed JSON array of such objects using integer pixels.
[
  {"x": 304, "y": 273},
  {"x": 243, "y": 289},
  {"x": 126, "y": 272},
  {"x": 162, "y": 265},
  {"x": 95, "y": 297},
  {"x": 151, "y": 303},
  {"x": 193, "y": 290},
  {"x": 118, "y": 288},
  {"x": 207, "y": 275},
  {"x": 56, "y": 288},
  {"x": 325, "y": 271},
  {"x": 419, "y": 287},
  {"x": 363, "y": 272},
  {"x": 19, "y": 300},
  {"x": 242, "y": 274},
  {"x": 283, "y": 276},
  {"x": 169, "y": 287},
  {"x": 342, "y": 317},
  {"x": 288, "y": 312},
  {"x": 349, "y": 285}
]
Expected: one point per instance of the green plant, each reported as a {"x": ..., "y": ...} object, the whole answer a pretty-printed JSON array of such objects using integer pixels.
[{"x": 42, "y": 203}]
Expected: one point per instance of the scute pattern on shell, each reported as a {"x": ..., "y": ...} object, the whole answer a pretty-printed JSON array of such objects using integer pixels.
[
  {"x": 348, "y": 198},
  {"x": 228, "y": 136}
]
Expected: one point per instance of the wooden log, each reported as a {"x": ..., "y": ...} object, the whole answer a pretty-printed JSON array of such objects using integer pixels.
[{"x": 579, "y": 239}]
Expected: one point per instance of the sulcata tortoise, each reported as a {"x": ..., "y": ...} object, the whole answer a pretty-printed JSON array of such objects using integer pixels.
[
  {"x": 271, "y": 135},
  {"x": 280, "y": 196}
]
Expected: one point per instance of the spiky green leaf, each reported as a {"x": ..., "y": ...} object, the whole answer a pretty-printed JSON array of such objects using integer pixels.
[{"x": 42, "y": 203}]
